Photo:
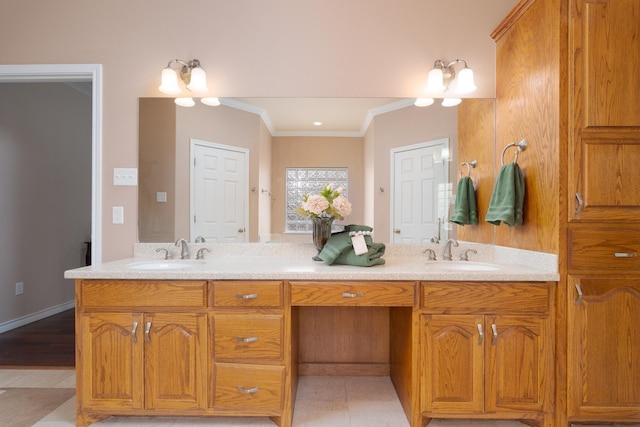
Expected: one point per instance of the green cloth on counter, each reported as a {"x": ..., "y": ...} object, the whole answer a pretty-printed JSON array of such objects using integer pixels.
[
  {"x": 339, "y": 249},
  {"x": 465, "y": 210},
  {"x": 507, "y": 199}
]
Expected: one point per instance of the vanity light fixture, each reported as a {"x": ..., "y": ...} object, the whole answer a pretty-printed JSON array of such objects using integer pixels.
[
  {"x": 194, "y": 78},
  {"x": 440, "y": 78}
]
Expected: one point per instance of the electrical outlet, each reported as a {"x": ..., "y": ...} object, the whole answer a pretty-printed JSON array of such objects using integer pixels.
[
  {"x": 19, "y": 288},
  {"x": 118, "y": 215}
]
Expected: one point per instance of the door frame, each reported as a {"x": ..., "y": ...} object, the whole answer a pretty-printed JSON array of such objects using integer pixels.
[
  {"x": 193, "y": 142},
  {"x": 38, "y": 73},
  {"x": 392, "y": 172}
]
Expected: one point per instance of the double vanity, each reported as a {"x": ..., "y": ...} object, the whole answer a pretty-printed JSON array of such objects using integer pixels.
[{"x": 229, "y": 334}]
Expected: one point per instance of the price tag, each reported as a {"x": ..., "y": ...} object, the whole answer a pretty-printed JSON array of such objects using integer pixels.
[{"x": 359, "y": 244}]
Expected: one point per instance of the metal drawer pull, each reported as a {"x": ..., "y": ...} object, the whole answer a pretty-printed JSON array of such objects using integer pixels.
[
  {"x": 480, "y": 334},
  {"x": 625, "y": 254},
  {"x": 247, "y": 296},
  {"x": 494, "y": 328},
  {"x": 579, "y": 290},
  {"x": 147, "y": 329},
  {"x": 248, "y": 390},
  {"x": 134, "y": 328},
  {"x": 580, "y": 204},
  {"x": 250, "y": 339},
  {"x": 356, "y": 295}
]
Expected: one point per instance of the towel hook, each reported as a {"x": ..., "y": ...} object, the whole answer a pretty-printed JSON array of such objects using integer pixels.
[
  {"x": 521, "y": 146},
  {"x": 469, "y": 165}
]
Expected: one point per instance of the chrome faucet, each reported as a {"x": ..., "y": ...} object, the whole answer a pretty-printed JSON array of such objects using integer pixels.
[
  {"x": 447, "y": 249},
  {"x": 184, "y": 253}
]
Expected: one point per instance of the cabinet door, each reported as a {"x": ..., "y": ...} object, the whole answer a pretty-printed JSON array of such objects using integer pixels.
[
  {"x": 453, "y": 363},
  {"x": 111, "y": 360},
  {"x": 604, "y": 140},
  {"x": 519, "y": 363},
  {"x": 603, "y": 347},
  {"x": 176, "y": 374}
]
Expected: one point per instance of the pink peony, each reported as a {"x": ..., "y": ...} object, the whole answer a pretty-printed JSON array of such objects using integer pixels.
[
  {"x": 342, "y": 205},
  {"x": 316, "y": 204}
]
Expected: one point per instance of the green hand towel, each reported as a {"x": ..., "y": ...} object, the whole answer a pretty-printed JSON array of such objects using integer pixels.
[
  {"x": 340, "y": 242},
  {"x": 339, "y": 249},
  {"x": 465, "y": 210},
  {"x": 371, "y": 258},
  {"x": 507, "y": 199}
]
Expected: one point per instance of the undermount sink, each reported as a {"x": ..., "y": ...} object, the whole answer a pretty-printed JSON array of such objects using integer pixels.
[
  {"x": 180, "y": 264},
  {"x": 464, "y": 266}
]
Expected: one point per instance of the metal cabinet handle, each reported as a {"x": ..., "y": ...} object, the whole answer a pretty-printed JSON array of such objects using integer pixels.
[
  {"x": 134, "y": 328},
  {"x": 147, "y": 329},
  {"x": 349, "y": 295},
  {"x": 625, "y": 254},
  {"x": 247, "y": 296},
  {"x": 494, "y": 328},
  {"x": 249, "y": 339},
  {"x": 579, "y": 290},
  {"x": 480, "y": 334},
  {"x": 580, "y": 204},
  {"x": 248, "y": 390}
]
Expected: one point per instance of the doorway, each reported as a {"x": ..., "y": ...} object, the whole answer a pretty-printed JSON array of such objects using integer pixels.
[{"x": 29, "y": 311}]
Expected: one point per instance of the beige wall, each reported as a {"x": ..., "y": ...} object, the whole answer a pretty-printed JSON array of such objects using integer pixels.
[{"x": 248, "y": 48}]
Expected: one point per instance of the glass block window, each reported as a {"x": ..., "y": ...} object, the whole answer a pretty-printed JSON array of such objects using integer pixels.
[{"x": 301, "y": 181}]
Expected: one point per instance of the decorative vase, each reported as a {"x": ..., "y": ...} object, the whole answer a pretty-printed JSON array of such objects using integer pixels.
[{"x": 321, "y": 233}]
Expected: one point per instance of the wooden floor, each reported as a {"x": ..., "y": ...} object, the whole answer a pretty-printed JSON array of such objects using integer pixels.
[{"x": 47, "y": 343}]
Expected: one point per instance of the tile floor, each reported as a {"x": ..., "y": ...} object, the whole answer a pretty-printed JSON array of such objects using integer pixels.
[{"x": 321, "y": 402}]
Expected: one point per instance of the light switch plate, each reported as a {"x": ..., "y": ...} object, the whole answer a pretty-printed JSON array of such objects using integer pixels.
[
  {"x": 125, "y": 176},
  {"x": 161, "y": 196}
]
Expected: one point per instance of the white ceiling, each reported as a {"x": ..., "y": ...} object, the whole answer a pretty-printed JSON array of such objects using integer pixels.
[{"x": 296, "y": 116}]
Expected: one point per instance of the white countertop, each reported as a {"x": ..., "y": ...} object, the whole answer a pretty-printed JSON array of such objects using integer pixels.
[{"x": 292, "y": 261}]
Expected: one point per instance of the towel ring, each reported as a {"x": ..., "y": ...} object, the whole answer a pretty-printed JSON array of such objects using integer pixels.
[
  {"x": 469, "y": 165},
  {"x": 521, "y": 146}
]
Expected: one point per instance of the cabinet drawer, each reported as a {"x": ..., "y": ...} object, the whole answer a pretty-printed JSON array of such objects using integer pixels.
[
  {"x": 248, "y": 387},
  {"x": 508, "y": 297},
  {"x": 386, "y": 294},
  {"x": 248, "y": 336},
  {"x": 611, "y": 249},
  {"x": 141, "y": 293},
  {"x": 247, "y": 294}
]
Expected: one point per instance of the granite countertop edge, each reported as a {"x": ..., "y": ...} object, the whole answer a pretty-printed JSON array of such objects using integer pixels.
[{"x": 264, "y": 261}]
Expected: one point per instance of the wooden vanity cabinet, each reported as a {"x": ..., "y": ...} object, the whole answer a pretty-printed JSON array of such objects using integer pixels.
[
  {"x": 487, "y": 351},
  {"x": 249, "y": 371},
  {"x": 140, "y": 346}
]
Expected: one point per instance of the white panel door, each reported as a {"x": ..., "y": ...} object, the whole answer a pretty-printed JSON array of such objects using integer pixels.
[
  {"x": 419, "y": 201},
  {"x": 218, "y": 193}
]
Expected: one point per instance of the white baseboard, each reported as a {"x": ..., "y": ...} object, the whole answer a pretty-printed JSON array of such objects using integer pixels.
[{"x": 34, "y": 317}]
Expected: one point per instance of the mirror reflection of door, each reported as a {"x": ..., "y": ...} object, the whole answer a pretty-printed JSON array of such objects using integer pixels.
[
  {"x": 420, "y": 196},
  {"x": 219, "y": 197}
]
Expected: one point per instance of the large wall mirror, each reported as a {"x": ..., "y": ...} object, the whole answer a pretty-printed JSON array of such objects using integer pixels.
[{"x": 261, "y": 137}]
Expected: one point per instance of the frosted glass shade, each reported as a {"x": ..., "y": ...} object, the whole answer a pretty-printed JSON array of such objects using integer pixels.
[
  {"x": 169, "y": 83},
  {"x": 423, "y": 102},
  {"x": 198, "y": 81},
  {"x": 211, "y": 101},
  {"x": 465, "y": 81},
  {"x": 185, "y": 102},
  {"x": 451, "y": 102},
  {"x": 435, "y": 81}
]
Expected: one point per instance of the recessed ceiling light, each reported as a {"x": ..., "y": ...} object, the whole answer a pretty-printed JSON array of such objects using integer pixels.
[{"x": 317, "y": 123}]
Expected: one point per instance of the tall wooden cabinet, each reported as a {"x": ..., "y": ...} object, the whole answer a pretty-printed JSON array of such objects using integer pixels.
[{"x": 567, "y": 81}]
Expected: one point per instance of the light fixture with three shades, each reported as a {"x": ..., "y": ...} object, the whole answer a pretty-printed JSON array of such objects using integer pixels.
[
  {"x": 440, "y": 79},
  {"x": 194, "y": 78}
]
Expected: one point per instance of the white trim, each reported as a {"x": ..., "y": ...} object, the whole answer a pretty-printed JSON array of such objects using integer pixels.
[
  {"x": 75, "y": 73},
  {"x": 34, "y": 317}
]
